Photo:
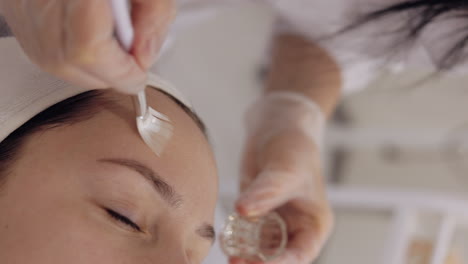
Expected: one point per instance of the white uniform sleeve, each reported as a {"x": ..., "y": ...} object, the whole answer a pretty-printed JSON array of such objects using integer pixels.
[{"x": 319, "y": 21}]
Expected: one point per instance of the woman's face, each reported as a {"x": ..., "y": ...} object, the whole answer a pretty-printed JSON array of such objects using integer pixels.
[{"x": 93, "y": 192}]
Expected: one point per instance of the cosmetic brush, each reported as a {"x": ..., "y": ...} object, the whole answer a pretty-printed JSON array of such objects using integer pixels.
[{"x": 154, "y": 127}]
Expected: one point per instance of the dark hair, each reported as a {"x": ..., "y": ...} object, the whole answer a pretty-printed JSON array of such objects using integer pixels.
[
  {"x": 70, "y": 111},
  {"x": 423, "y": 13}
]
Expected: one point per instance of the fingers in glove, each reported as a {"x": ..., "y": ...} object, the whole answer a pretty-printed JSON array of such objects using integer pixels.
[
  {"x": 267, "y": 192},
  {"x": 90, "y": 45},
  {"x": 306, "y": 242},
  {"x": 151, "y": 20}
]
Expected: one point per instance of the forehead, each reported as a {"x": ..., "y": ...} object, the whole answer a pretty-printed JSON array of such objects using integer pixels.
[
  {"x": 187, "y": 162},
  {"x": 188, "y": 159}
]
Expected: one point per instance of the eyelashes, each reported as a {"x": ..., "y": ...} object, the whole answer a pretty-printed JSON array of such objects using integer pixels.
[{"x": 123, "y": 220}]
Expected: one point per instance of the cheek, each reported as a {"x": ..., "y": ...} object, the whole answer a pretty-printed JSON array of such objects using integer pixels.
[
  {"x": 44, "y": 225},
  {"x": 54, "y": 236}
]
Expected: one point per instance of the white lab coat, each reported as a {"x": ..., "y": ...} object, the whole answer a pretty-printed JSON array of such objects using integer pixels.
[{"x": 361, "y": 54}]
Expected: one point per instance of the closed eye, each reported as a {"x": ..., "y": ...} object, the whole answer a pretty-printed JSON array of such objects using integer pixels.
[{"x": 123, "y": 220}]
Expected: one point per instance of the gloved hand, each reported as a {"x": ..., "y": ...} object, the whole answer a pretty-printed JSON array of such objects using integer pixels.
[
  {"x": 281, "y": 172},
  {"x": 74, "y": 39}
]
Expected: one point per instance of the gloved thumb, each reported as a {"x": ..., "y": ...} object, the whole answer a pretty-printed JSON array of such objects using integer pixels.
[{"x": 270, "y": 190}]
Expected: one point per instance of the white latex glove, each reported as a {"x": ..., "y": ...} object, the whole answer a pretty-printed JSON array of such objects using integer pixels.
[
  {"x": 74, "y": 39},
  {"x": 281, "y": 172}
]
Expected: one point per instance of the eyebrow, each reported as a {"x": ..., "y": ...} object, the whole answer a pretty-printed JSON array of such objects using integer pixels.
[{"x": 165, "y": 190}]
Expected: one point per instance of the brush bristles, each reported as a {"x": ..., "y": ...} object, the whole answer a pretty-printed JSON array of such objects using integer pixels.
[{"x": 156, "y": 130}]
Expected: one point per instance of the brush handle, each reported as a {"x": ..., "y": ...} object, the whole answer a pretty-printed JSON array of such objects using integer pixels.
[
  {"x": 123, "y": 23},
  {"x": 126, "y": 35},
  {"x": 139, "y": 101}
]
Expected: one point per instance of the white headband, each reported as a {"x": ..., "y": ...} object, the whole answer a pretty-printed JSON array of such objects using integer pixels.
[{"x": 25, "y": 90}]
